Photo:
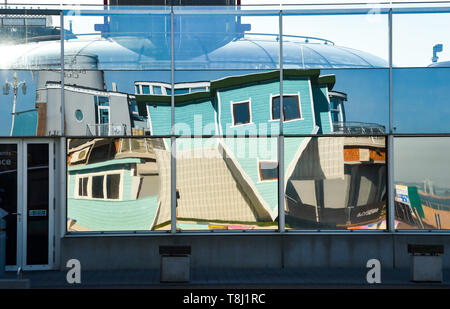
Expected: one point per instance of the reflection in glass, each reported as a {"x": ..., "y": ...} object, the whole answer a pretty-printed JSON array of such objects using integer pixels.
[
  {"x": 224, "y": 102},
  {"x": 334, "y": 41},
  {"x": 335, "y": 182},
  {"x": 215, "y": 38},
  {"x": 291, "y": 108},
  {"x": 104, "y": 103},
  {"x": 8, "y": 198},
  {"x": 428, "y": 47},
  {"x": 227, "y": 184},
  {"x": 120, "y": 38},
  {"x": 118, "y": 184},
  {"x": 422, "y": 187},
  {"x": 358, "y": 101},
  {"x": 19, "y": 104},
  {"x": 31, "y": 42},
  {"x": 239, "y": 103},
  {"x": 420, "y": 100},
  {"x": 37, "y": 204}
]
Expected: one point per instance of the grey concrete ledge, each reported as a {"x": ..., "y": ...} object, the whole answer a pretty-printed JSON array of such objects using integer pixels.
[{"x": 15, "y": 283}]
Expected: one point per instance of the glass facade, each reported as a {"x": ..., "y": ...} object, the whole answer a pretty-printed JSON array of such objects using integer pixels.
[{"x": 233, "y": 118}]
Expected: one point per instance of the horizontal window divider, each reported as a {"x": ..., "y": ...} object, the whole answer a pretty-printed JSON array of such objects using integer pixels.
[
  {"x": 335, "y": 135},
  {"x": 119, "y": 12},
  {"x": 421, "y": 135},
  {"x": 419, "y": 67},
  {"x": 31, "y": 11},
  {"x": 252, "y": 233},
  {"x": 116, "y": 136},
  {"x": 72, "y": 68},
  {"x": 231, "y": 136},
  {"x": 227, "y": 136},
  {"x": 225, "y": 70},
  {"x": 115, "y": 234}
]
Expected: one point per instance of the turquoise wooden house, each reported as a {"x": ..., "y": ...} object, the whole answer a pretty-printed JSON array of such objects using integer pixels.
[
  {"x": 225, "y": 180},
  {"x": 245, "y": 105}
]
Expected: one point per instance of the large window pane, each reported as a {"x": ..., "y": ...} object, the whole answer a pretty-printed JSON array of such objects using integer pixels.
[
  {"x": 126, "y": 190},
  {"x": 115, "y": 103},
  {"x": 31, "y": 41},
  {"x": 233, "y": 102},
  {"x": 30, "y": 50},
  {"x": 122, "y": 38},
  {"x": 8, "y": 198},
  {"x": 420, "y": 101},
  {"x": 212, "y": 38},
  {"x": 314, "y": 38},
  {"x": 38, "y": 207},
  {"x": 349, "y": 101},
  {"x": 335, "y": 182},
  {"x": 422, "y": 186},
  {"x": 428, "y": 46},
  {"x": 227, "y": 184}
]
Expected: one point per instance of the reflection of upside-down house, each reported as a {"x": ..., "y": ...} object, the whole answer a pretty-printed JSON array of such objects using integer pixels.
[
  {"x": 113, "y": 184},
  {"x": 123, "y": 184},
  {"x": 338, "y": 181}
]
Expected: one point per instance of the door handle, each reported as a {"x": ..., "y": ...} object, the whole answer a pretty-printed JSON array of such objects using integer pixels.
[{"x": 16, "y": 214}]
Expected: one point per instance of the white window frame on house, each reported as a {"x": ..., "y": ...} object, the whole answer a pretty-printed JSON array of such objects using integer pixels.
[
  {"x": 261, "y": 179},
  {"x": 87, "y": 186},
  {"x": 105, "y": 191},
  {"x": 167, "y": 86},
  {"x": 249, "y": 102},
  {"x": 273, "y": 96}
]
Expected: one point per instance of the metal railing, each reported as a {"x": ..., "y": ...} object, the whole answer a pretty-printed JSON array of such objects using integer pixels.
[
  {"x": 106, "y": 129},
  {"x": 354, "y": 127}
]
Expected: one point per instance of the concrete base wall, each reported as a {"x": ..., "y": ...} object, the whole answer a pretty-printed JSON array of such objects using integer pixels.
[{"x": 249, "y": 251}]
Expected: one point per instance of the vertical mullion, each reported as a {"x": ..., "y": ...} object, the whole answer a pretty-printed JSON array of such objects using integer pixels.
[
  {"x": 62, "y": 108},
  {"x": 281, "y": 219},
  {"x": 173, "y": 195},
  {"x": 390, "y": 149}
]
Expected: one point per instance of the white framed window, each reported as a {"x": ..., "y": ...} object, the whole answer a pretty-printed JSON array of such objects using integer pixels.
[
  {"x": 268, "y": 170},
  {"x": 241, "y": 113},
  {"x": 291, "y": 107},
  {"x": 100, "y": 186}
]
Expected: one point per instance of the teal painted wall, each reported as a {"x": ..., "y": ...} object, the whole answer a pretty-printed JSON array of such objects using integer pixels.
[
  {"x": 196, "y": 118},
  {"x": 322, "y": 109},
  {"x": 248, "y": 151},
  {"x": 305, "y": 126},
  {"x": 260, "y": 95},
  {"x": 161, "y": 119},
  {"x": 113, "y": 215}
]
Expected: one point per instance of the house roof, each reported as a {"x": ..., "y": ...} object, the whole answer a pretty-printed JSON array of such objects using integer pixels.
[{"x": 235, "y": 81}]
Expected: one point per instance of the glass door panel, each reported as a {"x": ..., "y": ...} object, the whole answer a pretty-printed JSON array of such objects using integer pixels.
[
  {"x": 8, "y": 198},
  {"x": 37, "y": 204}
]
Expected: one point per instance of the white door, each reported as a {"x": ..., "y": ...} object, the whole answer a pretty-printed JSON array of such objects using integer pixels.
[{"x": 26, "y": 193}]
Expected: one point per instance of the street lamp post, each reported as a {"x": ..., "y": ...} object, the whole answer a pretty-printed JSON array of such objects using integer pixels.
[{"x": 15, "y": 84}]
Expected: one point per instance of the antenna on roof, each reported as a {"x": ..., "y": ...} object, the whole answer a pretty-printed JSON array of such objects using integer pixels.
[{"x": 436, "y": 49}]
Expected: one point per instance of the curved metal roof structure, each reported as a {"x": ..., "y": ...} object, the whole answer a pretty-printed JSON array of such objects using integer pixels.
[
  {"x": 139, "y": 53},
  {"x": 140, "y": 39},
  {"x": 442, "y": 64}
]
